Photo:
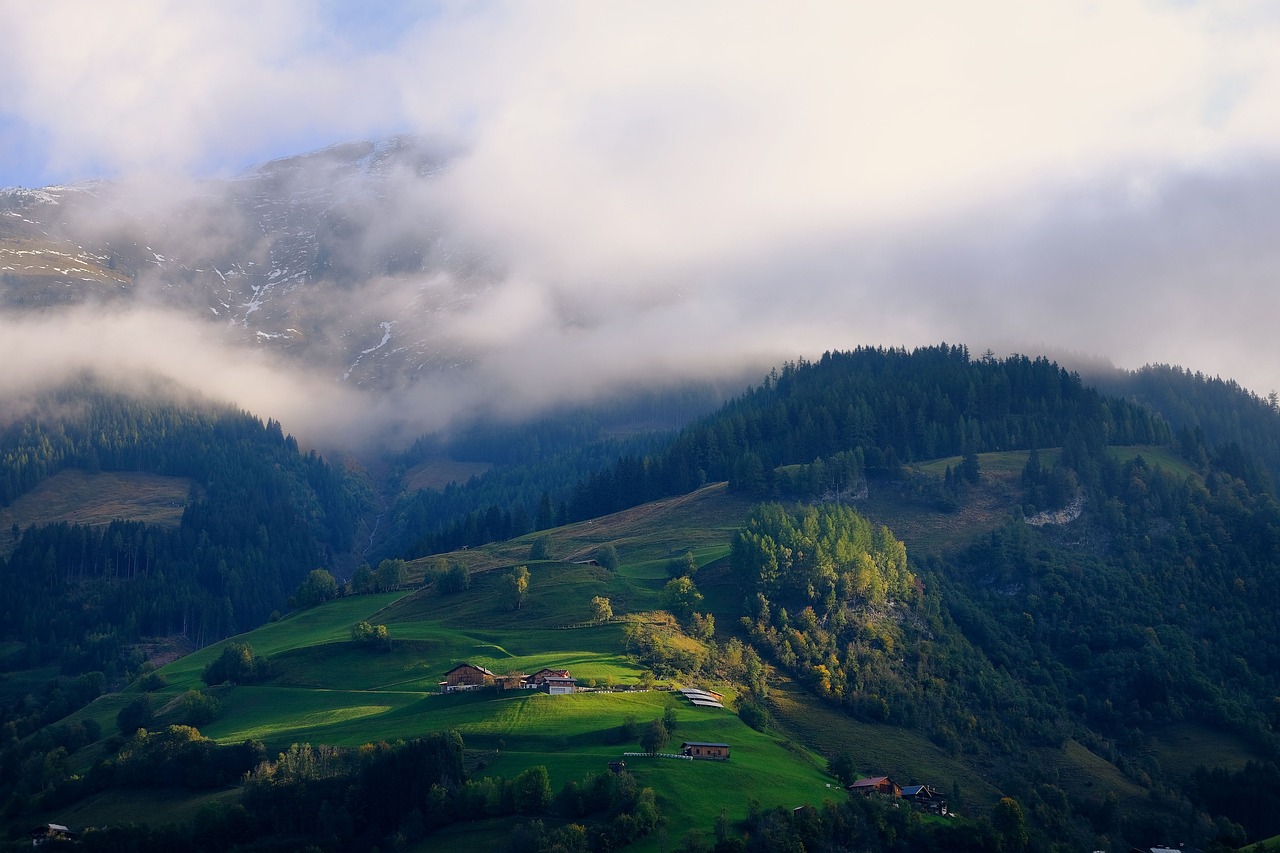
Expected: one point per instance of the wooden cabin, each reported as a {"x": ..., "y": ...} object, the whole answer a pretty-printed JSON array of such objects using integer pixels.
[
  {"x": 466, "y": 676},
  {"x": 876, "y": 785},
  {"x": 925, "y": 798}
]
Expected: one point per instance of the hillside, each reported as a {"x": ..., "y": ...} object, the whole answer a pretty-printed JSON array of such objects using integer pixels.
[{"x": 985, "y": 576}]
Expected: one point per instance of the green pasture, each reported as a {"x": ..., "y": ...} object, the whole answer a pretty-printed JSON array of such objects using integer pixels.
[
  {"x": 1012, "y": 462},
  {"x": 646, "y": 537},
  {"x": 1181, "y": 748},
  {"x": 325, "y": 624}
]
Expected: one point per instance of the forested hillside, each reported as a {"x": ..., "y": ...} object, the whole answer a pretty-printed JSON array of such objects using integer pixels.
[
  {"x": 260, "y": 516},
  {"x": 867, "y": 411},
  {"x": 1109, "y": 667}
]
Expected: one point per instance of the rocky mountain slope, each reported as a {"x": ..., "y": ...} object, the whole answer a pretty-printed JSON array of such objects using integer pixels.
[{"x": 334, "y": 258}]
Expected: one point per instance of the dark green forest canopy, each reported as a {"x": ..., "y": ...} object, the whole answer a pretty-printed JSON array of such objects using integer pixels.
[
  {"x": 868, "y": 410},
  {"x": 883, "y": 408},
  {"x": 265, "y": 515}
]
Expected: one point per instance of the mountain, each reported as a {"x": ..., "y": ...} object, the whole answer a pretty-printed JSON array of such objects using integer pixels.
[{"x": 334, "y": 259}]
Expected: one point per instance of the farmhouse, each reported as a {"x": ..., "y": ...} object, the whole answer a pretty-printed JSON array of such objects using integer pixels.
[
  {"x": 698, "y": 749},
  {"x": 48, "y": 832},
  {"x": 925, "y": 798},
  {"x": 553, "y": 681},
  {"x": 466, "y": 676},
  {"x": 876, "y": 785}
]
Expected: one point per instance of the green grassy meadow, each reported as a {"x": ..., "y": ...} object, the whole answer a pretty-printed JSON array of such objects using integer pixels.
[{"x": 96, "y": 499}]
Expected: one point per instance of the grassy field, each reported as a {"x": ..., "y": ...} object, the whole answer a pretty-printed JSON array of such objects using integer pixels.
[
  {"x": 438, "y": 473},
  {"x": 646, "y": 537},
  {"x": 1182, "y": 748},
  {"x": 79, "y": 497}
]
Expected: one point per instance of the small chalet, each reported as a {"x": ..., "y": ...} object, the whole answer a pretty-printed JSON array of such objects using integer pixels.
[
  {"x": 698, "y": 749},
  {"x": 48, "y": 832},
  {"x": 925, "y": 798},
  {"x": 553, "y": 681},
  {"x": 466, "y": 676},
  {"x": 876, "y": 785}
]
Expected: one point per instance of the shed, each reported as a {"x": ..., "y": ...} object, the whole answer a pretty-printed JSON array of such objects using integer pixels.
[
  {"x": 876, "y": 785},
  {"x": 700, "y": 749}
]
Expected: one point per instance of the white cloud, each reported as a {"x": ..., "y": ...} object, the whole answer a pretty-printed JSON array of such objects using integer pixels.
[{"x": 669, "y": 184}]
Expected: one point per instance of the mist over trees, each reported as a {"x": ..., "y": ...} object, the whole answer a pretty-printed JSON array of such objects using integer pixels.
[{"x": 261, "y": 516}]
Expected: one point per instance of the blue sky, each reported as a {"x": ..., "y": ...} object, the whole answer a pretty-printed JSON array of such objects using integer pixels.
[{"x": 1084, "y": 175}]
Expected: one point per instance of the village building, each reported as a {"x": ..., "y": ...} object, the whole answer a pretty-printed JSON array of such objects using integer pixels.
[
  {"x": 876, "y": 785},
  {"x": 699, "y": 749},
  {"x": 466, "y": 676},
  {"x": 925, "y": 798},
  {"x": 558, "y": 685}
]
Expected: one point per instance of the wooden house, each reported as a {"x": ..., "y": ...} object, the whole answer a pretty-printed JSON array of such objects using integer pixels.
[
  {"x": 876, "y": 785},
  {"x": 925, "y": 798},
  {"x": 712, "y": 751},
  {"x": 552, "y": 682},
  {"x": 49, "y": 832},
  {"x": 543, "y": 674},
  {"x": 466, "y": 676}
]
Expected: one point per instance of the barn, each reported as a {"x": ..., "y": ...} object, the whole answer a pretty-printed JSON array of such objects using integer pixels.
[{"x": 700, "y": 749}]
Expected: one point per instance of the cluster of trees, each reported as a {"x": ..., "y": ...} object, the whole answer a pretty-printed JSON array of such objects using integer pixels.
[
  {"x": 831, "y": 598},
  {"x": 667, "y": 649},
  {"x": 379, "y": 795},
  {"x": 396, "y": 794},
  {"x": 371, "y": 635},
  {"x": 238, "y": 664}
]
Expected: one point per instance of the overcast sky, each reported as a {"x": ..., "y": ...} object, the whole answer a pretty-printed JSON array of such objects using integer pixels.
[{"x": 776, "y": 178}]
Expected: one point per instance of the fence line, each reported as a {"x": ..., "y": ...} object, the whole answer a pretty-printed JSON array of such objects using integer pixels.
[{"x": 656, "y": 755}]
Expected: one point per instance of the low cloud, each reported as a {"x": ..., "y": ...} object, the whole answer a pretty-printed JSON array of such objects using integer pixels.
[{"x": 632, "y": 192}]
